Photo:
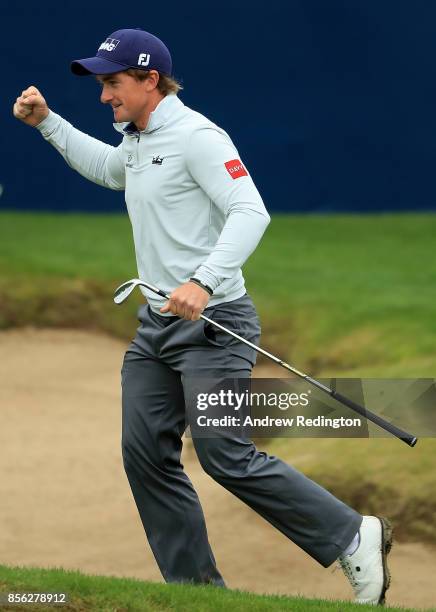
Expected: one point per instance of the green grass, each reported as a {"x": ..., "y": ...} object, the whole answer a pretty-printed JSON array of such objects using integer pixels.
[
  {"x": 66, "y": 246},
  {"x": 358, "y": 292},
  {"x": 98, "y": 594},
  {"x": 347, "y": 294}
]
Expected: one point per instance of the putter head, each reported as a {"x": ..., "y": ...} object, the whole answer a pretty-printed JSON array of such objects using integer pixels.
[{"x": 123, "y": 291}]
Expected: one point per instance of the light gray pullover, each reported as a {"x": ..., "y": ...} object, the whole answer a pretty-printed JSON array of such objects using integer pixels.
[{"x": 194, "y": 208}]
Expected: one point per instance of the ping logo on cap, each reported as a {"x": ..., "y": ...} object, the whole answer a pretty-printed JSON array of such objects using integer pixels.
[
  {"x": 235, "y": 168},
  {"x": 109, "y": 44}
]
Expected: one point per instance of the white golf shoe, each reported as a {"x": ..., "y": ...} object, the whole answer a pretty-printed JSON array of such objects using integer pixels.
[{"x": 366, "y": 568}]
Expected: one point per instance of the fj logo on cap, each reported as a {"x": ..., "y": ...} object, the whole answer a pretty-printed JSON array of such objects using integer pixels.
[
  {"x": 144, "y": 59},
  {"x": 109, "y": 44},
  {"x": 235, "y": 168}
]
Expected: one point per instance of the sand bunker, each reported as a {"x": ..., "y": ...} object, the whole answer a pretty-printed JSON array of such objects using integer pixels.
[{"x": 66, "y": 500}]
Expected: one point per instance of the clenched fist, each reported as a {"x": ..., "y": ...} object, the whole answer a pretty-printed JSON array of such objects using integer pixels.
[{"x": 31, "y": 107}]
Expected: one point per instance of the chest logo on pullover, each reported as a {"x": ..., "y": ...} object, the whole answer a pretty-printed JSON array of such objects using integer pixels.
[
  {"x": 235, "y": 168},
  {"x": 129, "y": 161},
  {"x": 157, "y": 160}
]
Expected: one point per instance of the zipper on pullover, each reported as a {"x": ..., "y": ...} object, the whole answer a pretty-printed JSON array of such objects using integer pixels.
[{"x": 137, "y": 136}]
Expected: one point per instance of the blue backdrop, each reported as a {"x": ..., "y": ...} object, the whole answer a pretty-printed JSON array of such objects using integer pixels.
[{"x": 331, "y": 103}]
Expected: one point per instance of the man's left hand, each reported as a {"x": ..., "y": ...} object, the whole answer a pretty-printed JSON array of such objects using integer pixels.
[{"x": 187, "y": 301}]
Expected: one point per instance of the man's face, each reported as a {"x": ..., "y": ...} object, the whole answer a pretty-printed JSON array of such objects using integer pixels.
[{"x": 127, "y": 96}]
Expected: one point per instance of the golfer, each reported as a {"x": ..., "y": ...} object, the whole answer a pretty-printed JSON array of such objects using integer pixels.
[{"x": 196, "y": 217}]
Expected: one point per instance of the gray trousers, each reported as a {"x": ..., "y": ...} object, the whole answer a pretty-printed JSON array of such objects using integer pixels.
[{"x": 166, "y": 354}]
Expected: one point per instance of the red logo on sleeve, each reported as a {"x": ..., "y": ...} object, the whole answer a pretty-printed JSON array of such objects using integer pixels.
[{"x": 235, "y": 168}]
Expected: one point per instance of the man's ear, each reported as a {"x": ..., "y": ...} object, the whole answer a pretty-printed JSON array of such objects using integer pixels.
[{"x": 152, "y": 80}]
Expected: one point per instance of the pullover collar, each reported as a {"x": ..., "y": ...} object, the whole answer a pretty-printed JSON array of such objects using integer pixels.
[{"x": 158, "y": 118}]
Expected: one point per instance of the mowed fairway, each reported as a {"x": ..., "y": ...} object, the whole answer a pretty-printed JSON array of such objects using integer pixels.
[{"x": 337, "y": 295}]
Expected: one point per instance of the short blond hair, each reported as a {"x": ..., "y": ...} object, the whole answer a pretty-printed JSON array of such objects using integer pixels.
[{"x": 166, "y": 84}]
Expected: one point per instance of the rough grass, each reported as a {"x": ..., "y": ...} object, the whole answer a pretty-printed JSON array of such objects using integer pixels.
[
  {"x": 107, "y": 594},
  {"x": 376, "y": 476},
  {"x": 348, "y": 294}
]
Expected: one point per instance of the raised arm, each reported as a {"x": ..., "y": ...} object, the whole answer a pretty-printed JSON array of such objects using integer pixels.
[{"x": 93, "y": 159}]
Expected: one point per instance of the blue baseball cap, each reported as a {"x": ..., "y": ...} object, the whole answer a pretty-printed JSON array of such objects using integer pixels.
[{"x": 126, "y": 49}]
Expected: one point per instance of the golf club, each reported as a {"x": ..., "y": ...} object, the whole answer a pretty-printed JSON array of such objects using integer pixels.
[{"x": 124, "y": 290}]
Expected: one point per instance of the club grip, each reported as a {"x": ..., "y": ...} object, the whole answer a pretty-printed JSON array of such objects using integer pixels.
[{"x": 396, "y": 431}]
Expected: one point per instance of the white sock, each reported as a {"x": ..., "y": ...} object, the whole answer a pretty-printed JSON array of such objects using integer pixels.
[{"x": 353, "y": 546}]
